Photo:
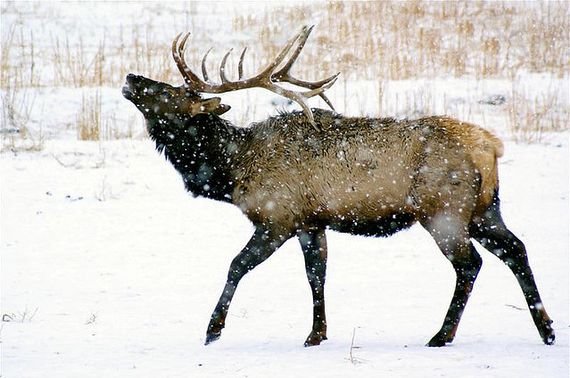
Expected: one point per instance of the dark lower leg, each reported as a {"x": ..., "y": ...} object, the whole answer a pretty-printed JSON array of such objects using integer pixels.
[
  {"x": 506, "y": 246},
  {"x": 525, "y": 278},
  {"x": 314, "y": 247},
  {"x": 261, "y": 245},
  {"x": 490, "y": 230},
  {"x": 218, "y": 318},
  {"x": 466, "y": 270}
]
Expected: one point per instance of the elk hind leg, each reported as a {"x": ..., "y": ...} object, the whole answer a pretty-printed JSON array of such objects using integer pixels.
[{"x": 492, "y": 233}]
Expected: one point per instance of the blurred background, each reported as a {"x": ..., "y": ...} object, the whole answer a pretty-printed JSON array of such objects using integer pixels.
[{"x": 502, "y": 64}]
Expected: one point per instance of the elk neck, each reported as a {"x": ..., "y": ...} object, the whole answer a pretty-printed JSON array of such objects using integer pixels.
[{"x": 202, "y": 150}]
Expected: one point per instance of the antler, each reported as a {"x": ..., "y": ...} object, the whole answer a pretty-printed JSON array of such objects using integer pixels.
[{"x": 267, "y": 78}]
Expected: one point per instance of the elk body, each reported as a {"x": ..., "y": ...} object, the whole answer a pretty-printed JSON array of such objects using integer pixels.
[{"x": 295, "y": 175}]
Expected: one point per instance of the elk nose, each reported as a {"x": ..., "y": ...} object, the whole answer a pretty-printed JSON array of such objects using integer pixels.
[{"x": 131, "y": 76}]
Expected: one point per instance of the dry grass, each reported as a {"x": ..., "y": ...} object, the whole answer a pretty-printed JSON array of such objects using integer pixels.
[
  {"x": 74, "y": 66},
  {"x": 395, "y": 40},
  {"x": 88, "y": 123},
  {"x": 409, "y": 40},
  {"x": 376, "y": 40},
  {"x": 18, "y": 44},
  {"x": 388, "y": 40},
  {"x": 530, "y": 119},
  {"x": 17, "y": 105},
  {"x": 93, "y": 123}
]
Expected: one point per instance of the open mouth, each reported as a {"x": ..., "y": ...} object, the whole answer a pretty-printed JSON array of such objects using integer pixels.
[
  {"x": 129, "y": 88},
  {"x": 127, "y": 91}
]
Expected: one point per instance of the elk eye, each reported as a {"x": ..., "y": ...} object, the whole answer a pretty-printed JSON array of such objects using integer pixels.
[{"x": 166, "y": 95}]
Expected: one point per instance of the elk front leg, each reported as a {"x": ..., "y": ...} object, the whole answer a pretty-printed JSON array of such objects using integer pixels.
[
  {"x": 466, "y": 270},
  {"x": 261, "y": 245},
  {"x": 456, "y": 246},
  {"x": 314, "y": 245}
]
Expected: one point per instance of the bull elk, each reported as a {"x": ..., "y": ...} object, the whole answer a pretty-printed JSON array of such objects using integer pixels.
[{"x": 299, "y": 173}]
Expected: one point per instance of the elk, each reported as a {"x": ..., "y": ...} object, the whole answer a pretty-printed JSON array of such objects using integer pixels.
[{"x": 299, "y": 173}]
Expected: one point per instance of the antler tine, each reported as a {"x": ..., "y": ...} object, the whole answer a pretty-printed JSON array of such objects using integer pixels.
[
  {"x": 182, "y": 45},
  {"x": 190, "y": 77},
  {"x": 240, "y": 64},
  {"x": 326, "y": 99},
  {"x": 321, "y": 89},
  {"x": 269, "y": 69},
  {"x": 204, "y": 70},
  {"x": 302, "y": 97},
  {"x": 312, "y": 85},
  {"x": 303, "y": 36},
  {"x": 317, "y": 84},
  {"x": 283, "y": 75},
  {"x": 223, "y": 68},
  {"x": 286, "y": 78},
  {"x": 176, "y": 55},
  {"x": 299, "y": 99}
]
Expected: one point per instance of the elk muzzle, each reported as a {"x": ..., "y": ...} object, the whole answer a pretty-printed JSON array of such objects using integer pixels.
[{"x": 154, "y": 98}]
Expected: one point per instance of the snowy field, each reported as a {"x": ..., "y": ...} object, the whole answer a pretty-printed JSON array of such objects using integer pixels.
[{"x": 110, "y": 269}]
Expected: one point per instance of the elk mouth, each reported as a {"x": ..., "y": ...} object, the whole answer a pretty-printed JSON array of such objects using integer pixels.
[
  {"x": 129, "y": 88},
  {"x": 136, "y": 85},
  {"x": 127, "y": 92}
]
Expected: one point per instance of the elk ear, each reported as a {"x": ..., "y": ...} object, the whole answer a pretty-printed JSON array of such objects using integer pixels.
[
  {"x": 209, "y": 105},
  {"x": 221, "y": 109}
]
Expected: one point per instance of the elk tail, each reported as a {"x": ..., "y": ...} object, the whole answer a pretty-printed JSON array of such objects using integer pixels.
[{"x": 486, "y": 161}]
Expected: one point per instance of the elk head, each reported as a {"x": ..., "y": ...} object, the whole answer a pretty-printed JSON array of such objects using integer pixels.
[{"x": 156, "y": 98}]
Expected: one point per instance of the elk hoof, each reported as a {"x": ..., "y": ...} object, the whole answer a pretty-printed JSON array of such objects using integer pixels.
[
  {"x": 438, "y": 341},
  {"x": 314, "y": 339},
  {"x": 547, "y": 334},
  {"x": 211, "y": 337},
  {"x": 550, "y": 339}
]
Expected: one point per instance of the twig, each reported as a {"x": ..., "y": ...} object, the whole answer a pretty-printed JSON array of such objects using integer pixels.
[
  {"x": 515, "y": 307},
  {"x": 64, "y": 164},
  {"x": 353, "y": 359}
]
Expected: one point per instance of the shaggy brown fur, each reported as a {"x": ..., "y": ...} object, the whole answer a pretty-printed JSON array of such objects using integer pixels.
[{"x": 363, "y": 169}]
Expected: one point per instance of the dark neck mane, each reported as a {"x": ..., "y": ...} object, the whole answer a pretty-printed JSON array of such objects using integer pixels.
[{"x": 201, "y": 148}]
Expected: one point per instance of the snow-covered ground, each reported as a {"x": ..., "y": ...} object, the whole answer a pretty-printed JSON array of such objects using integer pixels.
[{"x": 108, "y": 268}]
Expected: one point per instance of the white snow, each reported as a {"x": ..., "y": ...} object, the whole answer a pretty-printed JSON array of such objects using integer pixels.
[{"x": 110, "y": 269}]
